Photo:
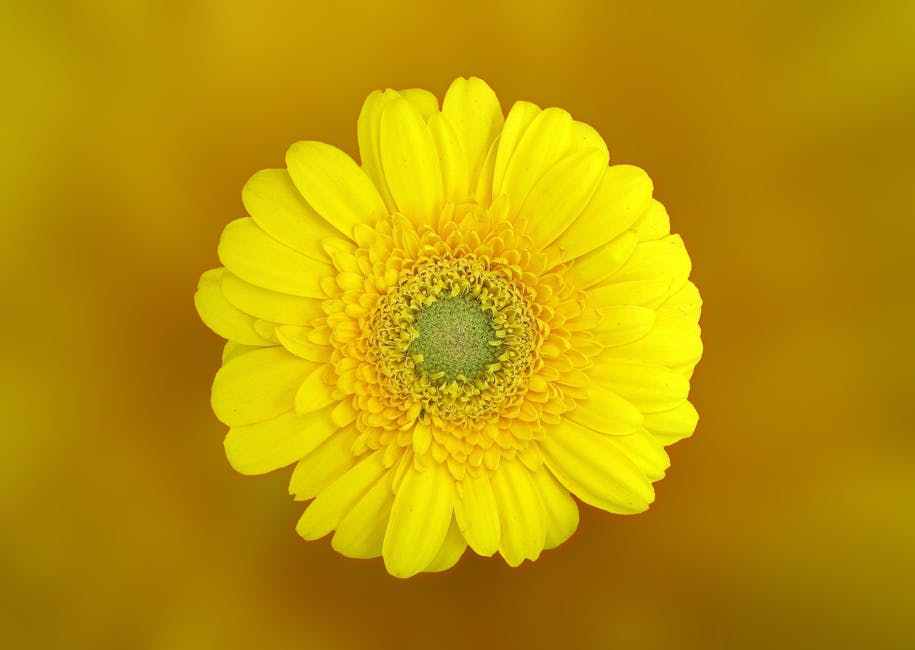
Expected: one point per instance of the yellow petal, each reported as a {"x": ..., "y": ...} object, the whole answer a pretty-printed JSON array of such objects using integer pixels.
[
  {"x": 621, "y": 197},
  {"x": 452, "y": 160},
  {"x": 594, "y": 470},
  {"x": 369, "y": 132},
  {"x": 559, "y": 508},
  {"x": 425, "y": 103},
  {"x": 360, "y": 533},
  {"x": 647, "y": 386},
  {"x": 520, "y": 511},
  {"x": 665, "y": 258},
  {"x": 314, "y": 393},
  {"x": 606, "y": 412},
  {"x": 636, "y": 292},
  {"x": 545, "y": 141},
  {"x": 561, "y": 194},
  {"x": 267, "y": 330},
  {"x": 232, "y": 349},
  {"x": 269, "y": 305},
  {"x": 334, "y": 185},
  {"x": 477, "y": 514},
  {"x": 655, "y": 271},
  {"x": 295, "y": 339},
  {"x": 422, "y": 438},
  {"x": 344, "y": 413},
  {"x": 452, "y": 549},
  {"x": 257, "y": 386},
  {"x": 653, "y": 223},
  {"x": 337, "y": 499},
  {"x": 254, "y": 256},
  {"x": 474, "y": 111},
  {"x": 585, "y": 136},
  {"x": 672, "y": 425},
  {"x": 324, "y": 465},
  {"x": 410, "y": 162},
  {"x": 684, "y": 303},
  {"x": 273, "y": 201},
  {"x": 483, "y": 192},
  {"x": 624, "y": 324},
  {"x": 266, "y": 446},
  {"x": 220, "y": 315},
  {"x": 603, "y": 262},
  {"x": 520, "y": 117},
  {"x": 644, "y": 450},
  {"x": 419, "y": 520},
  {"x": 671, "y": 343}
]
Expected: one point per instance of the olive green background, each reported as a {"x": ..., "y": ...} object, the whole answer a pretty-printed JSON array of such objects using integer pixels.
[{"x": 779, "y": 135}]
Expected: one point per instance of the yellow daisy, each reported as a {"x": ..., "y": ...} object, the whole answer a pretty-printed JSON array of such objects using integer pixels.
[{"x": 450, "y": 340}]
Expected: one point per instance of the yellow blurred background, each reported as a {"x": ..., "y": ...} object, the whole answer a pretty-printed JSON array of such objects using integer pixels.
[{"x": 779, "y": 134}]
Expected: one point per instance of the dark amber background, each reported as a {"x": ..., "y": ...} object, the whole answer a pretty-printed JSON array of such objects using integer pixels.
[{"x": 780, "y": 136}]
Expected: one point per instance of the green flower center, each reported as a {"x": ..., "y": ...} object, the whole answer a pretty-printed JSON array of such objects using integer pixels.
[{"x": 455, "y": 339}]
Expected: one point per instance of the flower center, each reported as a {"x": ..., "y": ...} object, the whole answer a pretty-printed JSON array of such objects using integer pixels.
[{"x": 456, "y": 339}]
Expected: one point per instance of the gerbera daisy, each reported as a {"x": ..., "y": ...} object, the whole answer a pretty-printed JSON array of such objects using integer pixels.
[{"x": 452, "y": 338}]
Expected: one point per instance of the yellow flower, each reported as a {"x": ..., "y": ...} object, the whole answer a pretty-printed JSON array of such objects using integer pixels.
[{"x": 451, "y": 338}]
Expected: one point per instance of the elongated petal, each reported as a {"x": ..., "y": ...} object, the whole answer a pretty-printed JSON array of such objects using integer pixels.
[
  {"x": 265, "y": 446},
  {"x": 559, "y": 197},
  {"x": 323, "y": 465},
  {"x": 474, "y": 110},
  {"x": 337, "y": 499},
  {"x": 644, "y": 450},
  {"x": 594, "y": 470},
  {"x": 451, "y": 158},
  {"x": 452, "y": 549},
  {"x": 559, "y": 508},
  {"x": 635, "y": 292},
  {"x": 684, "y": 303},
  {"x": 520, "y": 117},
  {"x": 621, "y": 197},
  {"x": 295, "y": 339},
  {"x": 273, "y": 201},
  {"x": 543, "y": 144},
  {"x": 254, "y": 256},
  {"x": 419, "y": 520},
  {"x": 585, "y": 136},
  {"x": 622, "y": 325},
  {"x": 334, "y": 185},
  {"x": 648, "y": 386},
  {"x": 653, "y": 223},
  {"x": 520, "y": 511},
  {"x": 369, "y": 131},
  {"x": 257, "y": 386},
  {"x": 655, "y": 271},
  {"x": 425, "y": 103},
  {"x": 410, "y": 161},
  {"x": 606, "y": 412},
  {"x": 233, "y": 349},
  {"x": 665, "y": 257},
  {"x": 477, "y": 514},
  {"x": 220, "y": 315},
  {"x": 315, "y": 393},
  {"x": 672, "y": 425},
  {"x": 360, "y": 533},
  {"x": 483, "y": 192},
  {"x": 603, "y": 262},
  {"x": 671, "y": 343},
  {"x": 268, "y": 305}
]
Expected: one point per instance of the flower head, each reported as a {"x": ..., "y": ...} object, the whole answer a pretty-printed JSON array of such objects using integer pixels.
[{"x": 450, "y": 340}]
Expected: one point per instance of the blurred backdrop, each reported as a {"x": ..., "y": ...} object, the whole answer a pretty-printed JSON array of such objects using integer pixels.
[{"x": 779, "y": 135}]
